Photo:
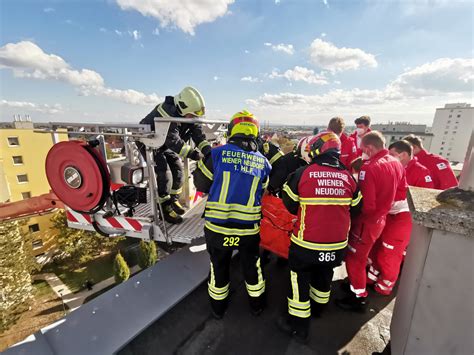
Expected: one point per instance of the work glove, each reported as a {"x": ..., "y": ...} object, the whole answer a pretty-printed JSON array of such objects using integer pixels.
[{"x": 195, "y": 155}]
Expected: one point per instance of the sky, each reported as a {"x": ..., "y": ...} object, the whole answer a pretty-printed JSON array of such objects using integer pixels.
[{"x": 287, "y": 61}]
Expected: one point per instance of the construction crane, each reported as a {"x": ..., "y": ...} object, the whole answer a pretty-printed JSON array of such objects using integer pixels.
[{"x": 118, "y": 197}]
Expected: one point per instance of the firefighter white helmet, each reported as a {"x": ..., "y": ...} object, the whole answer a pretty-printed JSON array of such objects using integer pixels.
[
  {"x": 190, "y": 101},
  {"x": 301, "y": 149}
]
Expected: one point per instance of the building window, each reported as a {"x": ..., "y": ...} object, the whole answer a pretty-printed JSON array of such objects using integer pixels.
[
  {"x": 26, "y": 195},
  {"x": 450, "y": 116},
  {"x": 13, "y": 142},
  {"x": 37, "y": 244},
  {"x": 454, "y": 132},
  {"x": 34, "y": 228},
  {"x": 442, "y": 143},
  {"x": 445, "y": 132},
  {"x": 441, "y": 148},
  {"x": 448, "y": 154},
  {"x": 23, "y": 178},
  {"x": 458, "y": 116},
  {"x": 17, "y": 160}
]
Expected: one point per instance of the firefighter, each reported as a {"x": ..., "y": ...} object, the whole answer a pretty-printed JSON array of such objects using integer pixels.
[
  {"x": 362, "y": 127},
  {"x": 381, "y": 181},
  {"x": 235, "y": 176},
  {"x": 291, "y": 161},
  {"x": 348, "y": 148},
  {"x": 440, "y": 170},
  {"x": 189, "y": 103},
  {"x": 320, "y": 194},
  {"x": 269, "y": 150},
  {"x": 387, "y": 254}
]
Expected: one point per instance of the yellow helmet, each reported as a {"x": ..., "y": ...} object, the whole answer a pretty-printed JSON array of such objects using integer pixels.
[
  {"x": 243, "y": 124},
  {"x": 189, "y": 100}
]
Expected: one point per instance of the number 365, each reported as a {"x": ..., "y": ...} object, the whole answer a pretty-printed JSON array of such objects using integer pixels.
[{"x": 329, "y": 256}]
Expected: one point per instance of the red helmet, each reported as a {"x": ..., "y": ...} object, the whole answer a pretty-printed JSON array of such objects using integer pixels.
[{"x": 322, "y": 143}]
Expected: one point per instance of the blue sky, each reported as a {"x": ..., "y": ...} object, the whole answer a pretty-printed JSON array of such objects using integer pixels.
[{"x": 288, "y": 61}]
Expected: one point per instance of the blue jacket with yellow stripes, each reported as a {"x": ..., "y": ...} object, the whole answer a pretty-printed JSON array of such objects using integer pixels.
[{"x": 235, "y": 175}]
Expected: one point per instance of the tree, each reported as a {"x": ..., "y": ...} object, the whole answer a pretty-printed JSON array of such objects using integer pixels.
[
  {"x": 31, "y": 264},
  {"x": 121, "y": 270},
  {"x": 15, "y": 280},
  {"x": 79, "y": 246},
  {"x": 147, "y": 254}
]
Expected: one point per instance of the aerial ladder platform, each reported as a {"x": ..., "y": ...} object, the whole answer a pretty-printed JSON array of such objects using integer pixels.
[{"x": 118, "y": 197}]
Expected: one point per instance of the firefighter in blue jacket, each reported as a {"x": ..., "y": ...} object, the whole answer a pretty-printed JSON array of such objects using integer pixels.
[{"x": 235, "y": 176}]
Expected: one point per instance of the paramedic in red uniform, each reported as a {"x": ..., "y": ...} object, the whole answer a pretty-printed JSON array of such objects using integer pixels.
[
  {"x": 362, "y": 127},
  {"x": 381, "y": 179},
  {"x": 348, "y": 148},
  {"x": 440, "y": 170},
  {"x": 323, "y": 195},
  {"x": 387, "y": 255}
]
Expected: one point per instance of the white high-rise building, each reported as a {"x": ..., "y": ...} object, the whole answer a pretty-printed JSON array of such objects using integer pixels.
[{"x": 452, "y": 128}]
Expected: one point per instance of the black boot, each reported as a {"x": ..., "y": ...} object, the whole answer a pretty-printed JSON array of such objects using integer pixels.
[
  {"x": 317, "y": 309},
  {"x": 218, "y": 308},
  {"x": 257, "y": 304},
  {"x": 353, "y": 303},
  {"x": 284, "y": 323},
  {"x": 169, "y": 214},
  {"x": 177, "y": 207}
]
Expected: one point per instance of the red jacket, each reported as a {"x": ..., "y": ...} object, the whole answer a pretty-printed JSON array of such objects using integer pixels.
[
  {"x": 418, "y": 175},
  {"x": 382, "y": 181},
  {"x": 354, "y": 137},
  {"x": 324, "y": 196},
  {"x": 348, "y": 151},
  {"x": 440, "y": 170}
]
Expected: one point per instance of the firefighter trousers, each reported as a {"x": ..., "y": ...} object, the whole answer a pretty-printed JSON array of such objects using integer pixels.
[
  {"x": 220, "y": 248},
  {"x": 310, "y": 278},
  {"x": 362, "y": 237},
  {"x": 164, "y": 158},
  {"x": 387, "y": 254}
]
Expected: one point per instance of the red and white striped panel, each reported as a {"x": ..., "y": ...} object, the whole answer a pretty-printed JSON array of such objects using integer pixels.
[{"x": 125, "y": 223}]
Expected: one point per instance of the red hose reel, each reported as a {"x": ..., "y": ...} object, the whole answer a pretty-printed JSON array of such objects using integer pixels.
[{"x": 78, "y": 175}]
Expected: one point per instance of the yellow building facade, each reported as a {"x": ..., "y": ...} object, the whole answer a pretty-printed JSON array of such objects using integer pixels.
[{"x": 22, "y": 175}]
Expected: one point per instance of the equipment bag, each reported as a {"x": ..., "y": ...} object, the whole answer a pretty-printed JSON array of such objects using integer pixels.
[{"x": 276, "y": 226}]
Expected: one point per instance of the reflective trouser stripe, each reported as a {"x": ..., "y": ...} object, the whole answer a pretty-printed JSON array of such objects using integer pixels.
[
  {"x": 162, "y": 199},
  {"x": 319, "y": 296},
  {"x": 360, "y": 292},
  {"x": 371, "y": 276},
  {"x": 232, "y": 231},
  {"x": 176, "y": 191},
  {"x": 217, "y": 293},
  {"x": 224, "y": 186},
  {"x": 258, "y": 289},
  {"x": 295, "y": 306},
  {"x": 253, "y": 190}
]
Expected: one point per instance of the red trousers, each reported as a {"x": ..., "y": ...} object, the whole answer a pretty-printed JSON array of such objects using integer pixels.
[
  {"x": 387, "y": 254},
  {"x": 362, "y": 238}
]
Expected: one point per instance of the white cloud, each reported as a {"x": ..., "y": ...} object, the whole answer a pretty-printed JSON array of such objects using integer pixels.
[
  {"x": 325, "y": 2},
  {"x": 444, "y": 75},
  {"x": 135, "y": 34},
  {"x": 285, "y": 48},
  {"x": 102, "y": 29},
  {"x": 215, "y": 78},
  {"x": 183, "y": 14},
  {"x": 327, "y": 56},
  {"x": 300, "y": 74},
  {"x": 323, "y": 34},
  {"x": 27, "y": 60},
  {"x": 250, "y": 79},
  {"x": 32, "y": 107},
  {"x": 156, "y": 31},
  {"x": 426, "y": 86},
  {"x": 277, "y": 2},
  {"x": 48, "y": 9},
  {"x": 246, "y": 51},
  {"x": 118, "y": 33}
]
